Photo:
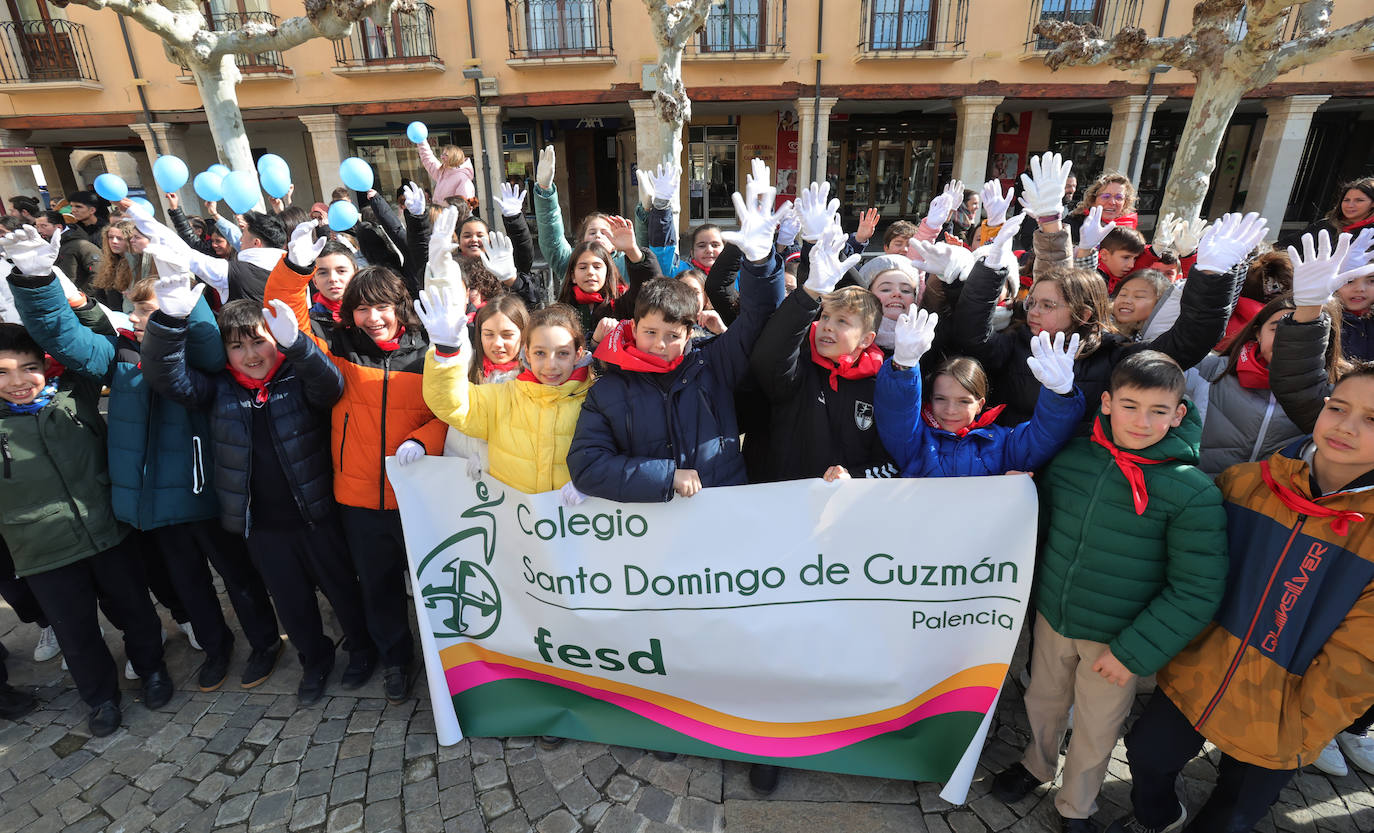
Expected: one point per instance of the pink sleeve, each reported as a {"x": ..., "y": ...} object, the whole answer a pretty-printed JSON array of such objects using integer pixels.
[
  {"x": 429, "y": 161},
  {"x": 925, "y": 233},
  {"x": 467, "y": 180}
]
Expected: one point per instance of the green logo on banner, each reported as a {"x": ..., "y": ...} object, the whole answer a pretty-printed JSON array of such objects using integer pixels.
[{"x": 451, "y": 577}]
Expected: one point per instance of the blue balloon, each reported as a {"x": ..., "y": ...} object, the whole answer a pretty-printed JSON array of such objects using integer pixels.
[
  {"x": 343, "y": 215},
  {"x": 147, "y": 206},
  {"x": 111, "y": 187},
  {"x": 218, "y": 169},
  {"x": 170, "y": 173},
  {"x": 267, "y": 160},
  {"x": 356, "y": 174},
  {"x": 276, "y": 179},
  {"x": 241, "y": 191},
  {"x": 208, "y": 185},
  {"x": 417, "y": 132}
]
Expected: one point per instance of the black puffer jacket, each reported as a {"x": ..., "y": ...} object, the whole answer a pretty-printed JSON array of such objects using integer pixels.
[
  {"x": 300, "y": 396},
  {"x": 1297, "y": 370}
]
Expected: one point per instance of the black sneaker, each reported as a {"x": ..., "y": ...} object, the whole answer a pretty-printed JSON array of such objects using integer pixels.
[
  {"x": 311, "y": 689},
  {"x": 1077, "y": 825},
  {"x": 14, "y": 703},
  {"x": 157, "y": 688},
  {"x": 764, "y": 777},
  {"x": 361, "y": 664},
  {"x": 213, "y": 672},
  {"x": 1014, "y": 783},
  {"x": 260, "y": 665},
  {"x": 396, "y": 687},
  {"x": 1130, "y": 824},
  {"x": 104, "y": 719},
  {"x": 664, "y": 756}
]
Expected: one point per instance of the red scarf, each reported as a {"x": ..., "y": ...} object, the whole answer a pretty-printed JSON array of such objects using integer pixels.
[
  {"x": 983, "y": 420},
  {"x": 258, "y": 386},
  {"x": 1340, "y": 519},
  {"x": 389, "y": 346},
  {"x": 848, "y": 367},
  {"x": 332, "y": 306},
  {"x": 1130, "y": 466},
  {"x": 619, "y": 349},
  {"x": 1251, "y": 368},
  {"x": 578, "y": 375},
  {"x": 489, "y": 367},
  {"x": 587, "y": 297}
]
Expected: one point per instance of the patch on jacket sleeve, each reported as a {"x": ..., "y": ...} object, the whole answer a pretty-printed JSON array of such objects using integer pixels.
[{"x": 863, "y": 415}]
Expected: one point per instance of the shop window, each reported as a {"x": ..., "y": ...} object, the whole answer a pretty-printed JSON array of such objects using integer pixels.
[
  {"x": 394, "y": 159},
  {"x": 561, "y": 25},
  {"x": 712, "y": 156},
  {"x": 901, "y": 24},
  {"x": 734, "y": 26}
]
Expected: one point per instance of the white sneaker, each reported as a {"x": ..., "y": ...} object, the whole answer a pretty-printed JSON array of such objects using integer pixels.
[
  {"x": 129, "y": 672},
  {"x": 1331, "y": 761},
  {"x": 1358, "y": 749},
  {"x": 190, "y": 635},
  {"x": 47, "y": 646}
]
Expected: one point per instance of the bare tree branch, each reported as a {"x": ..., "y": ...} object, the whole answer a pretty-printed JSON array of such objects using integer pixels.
[
  {"x": 154, "y": 17},
  {"x": 1305, "y": 49},
  {"x": 331, "y": 19},
  {"x": 1130, "y": 49}
]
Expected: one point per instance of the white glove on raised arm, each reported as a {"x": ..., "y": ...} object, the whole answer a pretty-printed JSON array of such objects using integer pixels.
[
  {"x": 945, "y": 202},
  {"x": 1228, "y": 241},
  {"x": 1052, "y": 362},
  {"x": 995, "y": 203},
  {"x": 757, "y": 219},
  {"x": 1090, "y": 236},
  {"x": 1317, "y": 272},
  {"x": 543, "y": 171},
  {"x": 826, "y": 266},
  {"x": 1042, "y": 192},
  {"x": 443, "y": 311},
  {"x": 665, "y": 179},
  {"x": 948, "y": 262},
  {"x": 171, "y": 259},
  {"x": 1360, "y": 252},
  {"x": 814, "y": 211},
  {"x": 414, "y": 199},
  {"x": 498, "y": 255},
  {"x": 915, "y": 333},
  {"x": 303, "y": 248},
  {"x": 30, "y": 253},
  {"x": 512, "y": 199},
  {"x": 443, "y": 269},
  {"x": 177, "y": 294},
  {"x": 1002, "y": 248},
  {"x": 477, "y": 461},
  {"x": 281, "y": 322},
  {"x": 1187, "y": 234},
  {"x": 789, "y": 227}
]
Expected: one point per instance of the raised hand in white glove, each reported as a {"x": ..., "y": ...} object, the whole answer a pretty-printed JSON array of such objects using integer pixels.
[
  {"x": 170, "y": 259},
  {"x": 281, "y": 322},
  {"x": 945, "y": 202},
  {"x": 789, "y": 227},
  {"x": 1164, "y": 235},
  {"x": 177, "y": 294},
  {"x": 1360, "y": 252},
  {"x": 757, "y": 218},
  {"x": 1317, "y": 272},
  {"x": 303, "y": 248},
  {"x": 498, "y": 255},
  {"x": 443, "y": 269},
  {"x": 543, "y": 171},
  {"x": 1052, "y": 362},
  {"x": 995, "y": 203},
  {"x": 1042, "y": 192},
  {"x": 826, "y": 266},
  {"x": 1093, "y": 231},
  {"x": 443, "y": 311},
  {"x": 1001, "y": 253},
  {"x": 664, "y": 181},
  {"x": 477, "y": 463},
  {"x": 408, "y": 452},
  {"x": 814, "y": 211},
  {"x": 947, "y": 262},
  {"x": 1226, "y": 242},
  {"x": 915, "y": 333},
  {"x": 646, "y": 188},
  {"x": 512, "y": 199},
  {"x": 30, "y": 253},
  {"x": 414, "y": 201},
  {"x": 569, "y": 496}
]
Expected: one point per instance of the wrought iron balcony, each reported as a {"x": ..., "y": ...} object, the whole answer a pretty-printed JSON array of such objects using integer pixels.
[
  {"x": 900, "y": 26},
  {"x": 1108, "y": 16},
  {"x": 262, "y": 63},
  {"x": 407, "y": 39},
  {"x": 44, "y": 51},
  {"x": 741, "y": 28},
  {"x": 559, "y": 29}
]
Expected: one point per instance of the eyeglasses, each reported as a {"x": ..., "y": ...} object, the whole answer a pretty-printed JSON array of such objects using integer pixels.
[
  {"x": 1111, "y": 197},
  {"x": 1031, "y": 305}
]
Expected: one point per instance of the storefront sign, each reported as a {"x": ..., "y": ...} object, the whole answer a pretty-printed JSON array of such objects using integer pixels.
[{"x": 13, "y": 157}]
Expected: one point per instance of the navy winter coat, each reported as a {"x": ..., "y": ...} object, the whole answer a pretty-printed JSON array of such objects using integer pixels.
[
  {"x": 923, "y": 451},
  {"x": 300, "y": 397},
  {"x": 637, "y": 429}
]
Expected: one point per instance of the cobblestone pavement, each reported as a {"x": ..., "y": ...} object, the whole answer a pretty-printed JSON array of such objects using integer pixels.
[{"x": 238, "y": 760}]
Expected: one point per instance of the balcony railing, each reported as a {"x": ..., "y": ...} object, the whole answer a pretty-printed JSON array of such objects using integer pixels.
[
  {"x": 742, "y": 27},
  {"x": 559, "y": 28},
  {"x": 1108, "y": 16},
  {"x": 37, "y": 51},
  {"x": 261, "y": 63},
  {"x": 408, "y": 38},
  {"x": 913, "y": 26}
]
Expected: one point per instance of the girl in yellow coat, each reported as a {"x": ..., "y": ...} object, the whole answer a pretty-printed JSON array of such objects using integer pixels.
[{"x": 527, "y": 423}]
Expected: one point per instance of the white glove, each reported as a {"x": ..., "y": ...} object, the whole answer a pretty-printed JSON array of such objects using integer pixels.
[
  {"x": 1052, "y": 363},
  {"x": 915, "y": 333},
  {"x": 1317, "y": 274},
  {"x": 1093, "y": 231},
  {"x": 1001, "y": 249},
  {"x": 477, "y": 463},
  {"x": 943, "y": 204},
  {"x": 789, "y": 227},
  {"x": 1229, "y": 240},
  {"x": 171, "y": 260},
  {"x": 443, "y": 311},
  {"x": 663, "y": 183},
  {"x": 177, "y": 294},
  {"x": 1164, "y": 235},
  {"x": 543, "y": 171},
  {"x": 512, "y": 199},
  {"x": 498, "y": 255},
  {"x": 303, "y": 248},
  {"x": 813, "y": 212},
  {"x": 414, "y": 199},
  {"x": 30, "y": 253},
  {"x": 1360, "y": 252},
  {"x": 995, "y": 203},
  {"x": 442, "y": 267},
  {"x": 646, "y": 189},
  {"x": 281, "y": 322},
  {"x": 408, "y": 452},
  {"x": 826, "y": 267},
  {"x": 757, "y": 219},
  {"x": 1187, "y": 234},
  {"x": 569, "y": 496},
  {"x": 949, "y": 263},
  {"x": 1042, "y": 193}
]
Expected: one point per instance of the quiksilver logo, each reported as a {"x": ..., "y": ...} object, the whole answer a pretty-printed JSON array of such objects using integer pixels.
[{"x": 1293, "y": 588}]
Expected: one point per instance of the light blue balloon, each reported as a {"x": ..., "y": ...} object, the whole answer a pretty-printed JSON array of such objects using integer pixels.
[
  {"x": 147, "y": 206},
  {"x": 417, "y": 132},
  {"x": 208, "y": 185},
  {"x": 218, "y": 169},
  {"x": 241, "y": 191},
  {"x": 170, "y": 173},
  {"x": 269, "y": 159},
  {"x": 276, "y": 179},
  {"x": 111, "y": 187},
  {"x": 343, "y": 215},
  {"x": 356, "y": 174}
]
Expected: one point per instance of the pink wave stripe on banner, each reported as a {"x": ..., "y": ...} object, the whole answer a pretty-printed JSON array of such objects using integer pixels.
[{"x": 970, "y": 699}]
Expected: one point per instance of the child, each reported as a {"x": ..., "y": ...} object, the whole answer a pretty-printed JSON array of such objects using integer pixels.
[
  {"x": 1286, "y": 662},
  {"x": 451, "y": 172},
  {"x": 1117, "y": 250},
  {"x": 594, "y": 228},
  {"x": 592, "y": 285},
  {"x": 334, "y": 268},
  {"x": 269, "y": 420},
  {"x": 1357, "y": 312},
  {"x": 1132, "y": 568},
  {"x": 1136, "y": 299},
  {"x": 896, "y": 237}
]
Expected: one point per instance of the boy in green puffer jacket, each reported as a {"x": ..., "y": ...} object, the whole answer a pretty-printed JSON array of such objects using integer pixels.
[{"x": 1133, "y": 567}]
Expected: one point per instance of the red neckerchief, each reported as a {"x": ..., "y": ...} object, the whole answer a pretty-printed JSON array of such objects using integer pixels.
[
  {"x": 1340, "y": 519},
  {"x": 696, "y": 264},
  {"x": 332, "y": 306},
  {"x": 983, "y": 420},
  {"x": 472, "y": 313},
  {"x": 258, "y": 386},
  {"x": 489, "y": 367},
  {"x": 389, "y": 346},
  {"x": 1130, "y": 466},
  {"x": 619, "y": 349},
  {"x": 578, "y": 375},
  {"x": 1251, "y": 368},
  {"x": 1355, "y": 227},
  {"x": 52, "y": 368},
  {"x": 864, "y": 366},
  {"x": 587, "y": 297}
]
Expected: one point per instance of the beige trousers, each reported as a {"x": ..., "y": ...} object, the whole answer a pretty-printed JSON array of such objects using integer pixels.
[{"x": 1062, "y": 675}]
